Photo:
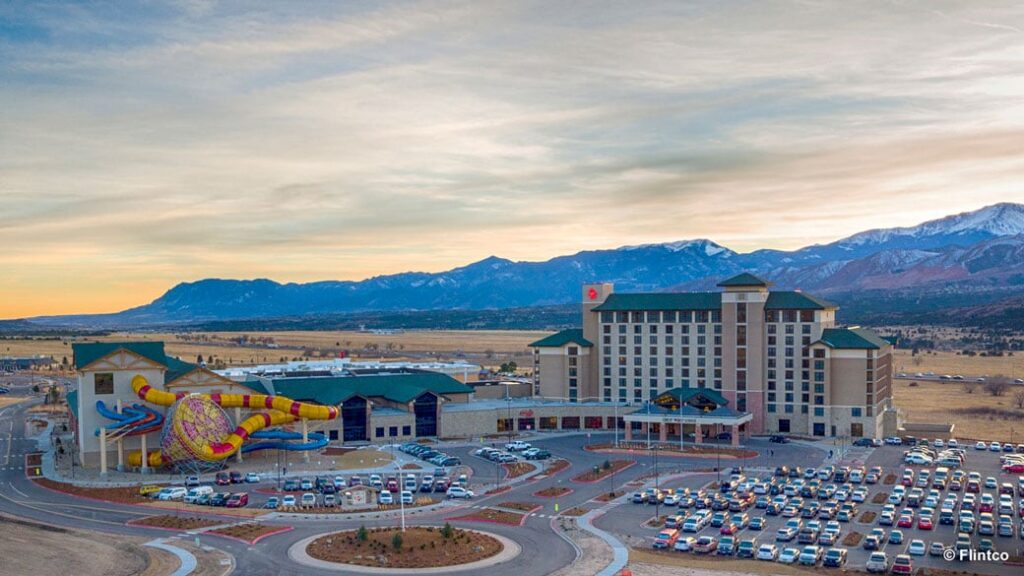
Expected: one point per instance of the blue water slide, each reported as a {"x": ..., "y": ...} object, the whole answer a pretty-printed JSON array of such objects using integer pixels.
[
  {"x": 316, "y": 440},
  {"x": 129, "y": 417}
]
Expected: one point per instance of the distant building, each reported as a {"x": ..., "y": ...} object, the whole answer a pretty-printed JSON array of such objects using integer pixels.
[
  {"x": 775, "y": 355},
  {"x": 16, "y": 364}
]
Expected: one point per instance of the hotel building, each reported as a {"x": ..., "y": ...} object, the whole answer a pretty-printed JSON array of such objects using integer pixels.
[{"x": 776, "y": 356}]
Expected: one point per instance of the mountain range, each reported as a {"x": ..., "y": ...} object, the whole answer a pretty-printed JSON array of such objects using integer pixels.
[{"x": 970, "y": 259}]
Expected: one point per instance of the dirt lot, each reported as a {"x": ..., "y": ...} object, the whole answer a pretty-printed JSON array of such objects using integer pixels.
[
  {"x": 36, "y": 549},
  {"x": 976, "y": 416},
  {"x": 7, "y": 400},
  {"x": 650, "y": 563}
]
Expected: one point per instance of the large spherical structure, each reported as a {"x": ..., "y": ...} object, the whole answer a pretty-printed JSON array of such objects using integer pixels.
[{"x": 192, "y": 422}]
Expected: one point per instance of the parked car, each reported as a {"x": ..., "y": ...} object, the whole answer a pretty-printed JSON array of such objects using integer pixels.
[
  {"x": 191, "y": 481},
  {"x": 236, "y": 477},
  {"x": 172, "y": 493},
  {"x": 767, "y": 552},
  {"x": 902, "y": 564},
  {"x": 308, "y": 500},
  {"x": 222, "y": 479},
  {"x": 789, "y": 555},
  {"x": 238, "y": 500},
  {"x": 288, "y": 501},
  {"x": 878, "y": 563},
  {"x": 272, "y": 503},
  {"x": 252, "y": 478},
  {"x": 835, "y": 558},
  {"x": 705, "y": 545}
]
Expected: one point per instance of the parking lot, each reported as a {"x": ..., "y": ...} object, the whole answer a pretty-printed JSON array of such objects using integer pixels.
[{"x": 802, "y": 495}]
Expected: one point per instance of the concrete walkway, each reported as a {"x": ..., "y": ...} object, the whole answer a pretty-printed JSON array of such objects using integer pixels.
[
  {"x": 621, "y": 553},
  {"x": 297, "y": 553},
  {"x": 186, "y": 559}
]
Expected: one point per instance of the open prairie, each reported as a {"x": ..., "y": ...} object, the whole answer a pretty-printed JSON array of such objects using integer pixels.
[
  {"x": 952, "y": 363},
  {"x": 977, "y": 415},
  {"x": 481, "y": 346}
]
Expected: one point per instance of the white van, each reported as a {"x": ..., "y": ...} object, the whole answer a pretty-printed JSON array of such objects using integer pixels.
[{"x": 195, "y": 493}]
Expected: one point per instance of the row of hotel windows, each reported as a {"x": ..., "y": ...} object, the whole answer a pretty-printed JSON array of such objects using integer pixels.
[
  {"x": 700, "y": 316},
  {"x": 392, "y": 431},
  {"x": 819, "y": 411}
]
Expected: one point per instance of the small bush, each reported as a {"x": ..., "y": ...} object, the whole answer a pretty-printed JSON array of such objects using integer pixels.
[
  {"x": 362, "y": 535},
  {"x": 396, "y": 541},
  {"x": 447, "y": 531}
]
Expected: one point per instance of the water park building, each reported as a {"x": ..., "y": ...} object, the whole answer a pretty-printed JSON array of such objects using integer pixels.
[{"x": 776, "y": 359}]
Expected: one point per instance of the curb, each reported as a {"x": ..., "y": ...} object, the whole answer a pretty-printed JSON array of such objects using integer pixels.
[{"x": 539, "y": 495}]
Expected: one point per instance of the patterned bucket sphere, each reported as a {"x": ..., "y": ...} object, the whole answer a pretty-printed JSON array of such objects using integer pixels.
[{"x": 192, "y": 422}]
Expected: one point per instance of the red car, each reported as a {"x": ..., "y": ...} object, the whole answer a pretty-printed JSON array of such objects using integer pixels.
[
  {"x": 905, "y": 522},
  {"x": 1014, "y": 468},
  {"x": 907, "y": 481},
  {"x": 238, "y": 500},
  {"x": 222, "y": 479},
  {"x": 925, "y": 523},
  {"x": 902, "y": 565},
  {"x": 729, "y": 529}
]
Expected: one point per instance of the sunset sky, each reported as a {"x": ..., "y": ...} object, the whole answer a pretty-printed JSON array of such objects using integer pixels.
[{"x": 142, "y": 146}]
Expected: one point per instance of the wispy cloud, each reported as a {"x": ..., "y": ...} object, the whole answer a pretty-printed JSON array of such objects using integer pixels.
[{"x": 146, "y": 144}]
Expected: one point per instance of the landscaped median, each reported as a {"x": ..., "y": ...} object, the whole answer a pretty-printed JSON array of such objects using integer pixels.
[
  {"x": 492, "y": 516},
  {"x": 526, "y": 507},
  {"x": 517, "y": 469},
  {"x": 600, "y": 472},
  {"x": 174, "y": 523},
  {"x": 415, "y": 548},
  {"x": 249, "y": 532},
  {"x": 553, "y": 492}
]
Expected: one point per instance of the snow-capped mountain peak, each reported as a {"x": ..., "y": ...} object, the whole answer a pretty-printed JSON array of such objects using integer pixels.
[
  {"x": 1003, "y": 219},
  {"x": 708, "y": 247}
]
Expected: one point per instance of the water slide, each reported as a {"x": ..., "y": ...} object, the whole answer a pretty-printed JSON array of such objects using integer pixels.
[
  {"x": 132, "y": 421},
  {"x": 315, "y": 441},
  {"x": 278, "y": 410}
]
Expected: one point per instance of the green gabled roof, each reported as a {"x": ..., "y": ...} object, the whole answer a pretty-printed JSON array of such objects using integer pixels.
[
  {"x": 744, "y": 279},
  {"x": 88, "y": 352},
  {"x": 401, "y": 388},
  {"x": 559, "y": 339},
  {"x": 855, "y": 338},
  {"x": 662, "y": 301},
  {"x": 256, "y": 385},
  {"x": 176, "y": 369},
  {"x": 686, "y": 394},
  {"x": 796, "y": 301},
  {"x": 72, "y": 400}
]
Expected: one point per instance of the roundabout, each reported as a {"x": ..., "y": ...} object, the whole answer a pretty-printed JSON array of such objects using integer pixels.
[{"x": 421, "y": 550}]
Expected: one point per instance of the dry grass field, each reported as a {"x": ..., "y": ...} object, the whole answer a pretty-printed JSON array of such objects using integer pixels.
[
  {"x": 978, "y": 416},
  {"x": 951, "y": 363},
  {"x": 482, "y": 346}
]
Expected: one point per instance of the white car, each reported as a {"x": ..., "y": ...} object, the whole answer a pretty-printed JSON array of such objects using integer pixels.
[
  {"x": 385, "y": 498},
  {"x": 767, "y": 552},
  {"x": 894, "y": 441},
  {"x": 980, "y": 446},
  {"x": 308, "y": 500},
  {"x": 916, "y": 548},
  {"x": 878, "y": 562},
  {"x": 789, "y": 555},
  {"x": 172, "y": 493},
  {"x": 288, "y": 501},
  {"x": 517, "y": 445},
  {"x": 406, "y": 497},
  {"x": 684, "y": 543},
  {"x": 459, "y": 492},
  {"x": 330, "y": 501},
  {"x": 916, "y": 458},
  {"x": 252, "y": 478}
]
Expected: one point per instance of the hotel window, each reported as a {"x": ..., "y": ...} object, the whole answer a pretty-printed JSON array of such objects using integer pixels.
[
  {"x": 803, "y": 409},
  {"x": 855, "y": 412},
  {"x": 789, "y": 408},
  {"x": 819, "y": 400},
  {"x": 636, "y": 317},
  {"x": 406, "y": 430},
  {"x": 807, "y": 316},
  {"x": 771, "y": 374},
  {"x": 771, "y": 408},
  {"x": 741, "y": 380},
  {"x": 789, "y": 396},
  {"x": 771, "y": 384},
  {"x": 805, "y": 329},
  {"x": 789, "y": 351},
  {"x": 103, "y": 383},
  {"x": 819, "y": 376},
  {"x": 701, "y": 318},
  {"x": 869, "y": 411},
  {"x": 819, "y": 388},
  {"x": 771, "y": 316},
  {"x": 684, "y": 329},
  {"x": 819, "y": 411},
  {"x": 741, "y": 403},
  {"x": 771, "y": 351},
  {"x": 789, "y": 316},
  {"x": 819, "y": 353},
  {"x": 670, "y": 328},
  {"x": 637, "y": 329},
  {"x": 572, "y": 382},
  {"x": 638, "y": 394},
  {"x": 622, "y": 328},
  {"x": 653, "y": 330},
  {"x": 379, "y": 432},
  {"x": 805, "y": 398},
  {"x": 607, "y": 317},
  {"x": 607, "y": 395},
  {"x": 741, "y": 357},
  {"x": 653, "y": 317},
  {"x": 607, "y": 341},
  {"x": 771, "y": 396},
  {"x": 622, "y": 318},
  {"x": 668, "y": 317},
  {"x": 716, "y": 316},
  {"x": 392, "y": 431},
  {"x": 741, "y": 313}
]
